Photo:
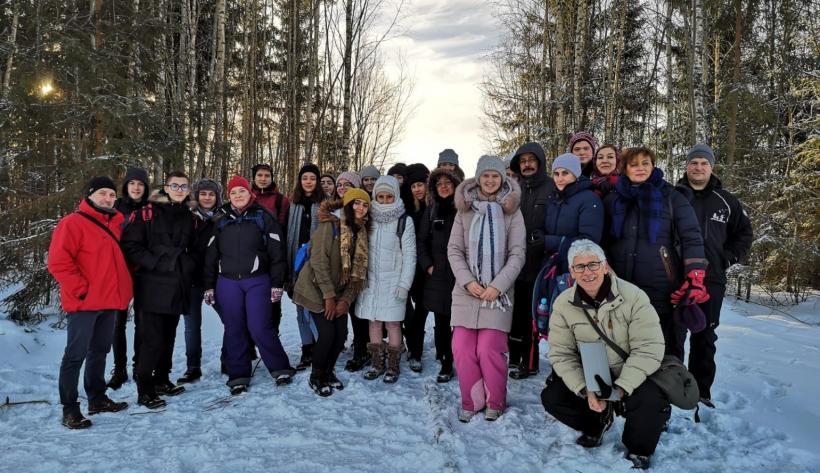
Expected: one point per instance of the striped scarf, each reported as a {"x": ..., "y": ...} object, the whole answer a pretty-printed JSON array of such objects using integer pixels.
[{"x": 488, "y": 248}]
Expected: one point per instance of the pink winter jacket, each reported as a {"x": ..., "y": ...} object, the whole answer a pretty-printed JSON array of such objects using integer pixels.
[{"x": 467, "y": 311}]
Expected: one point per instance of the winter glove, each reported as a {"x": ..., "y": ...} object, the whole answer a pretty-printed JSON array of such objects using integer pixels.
[
  {"x": 401, "y": 294},
  {"x": 208, "y": 297},
  {"x": 692, "y": 289},
  {"x": 606, "y": 390},
  {"x": 276, "y": 294}
]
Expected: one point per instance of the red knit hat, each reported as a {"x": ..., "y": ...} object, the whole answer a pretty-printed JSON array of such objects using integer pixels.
[{"x": 239, "y": 181}]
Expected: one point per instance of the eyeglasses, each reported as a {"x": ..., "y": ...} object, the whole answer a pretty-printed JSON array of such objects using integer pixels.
[
  {"x": 178, "y": 187},
  {"x": 443, "y": 183},
  {"x": 346, "y": 185},
  {"x": 593, "y": 266}
]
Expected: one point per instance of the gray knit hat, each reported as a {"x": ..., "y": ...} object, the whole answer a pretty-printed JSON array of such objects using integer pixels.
[
  {"x": 370, "y": 171},
  {"x": 206, "y": 184},
  {"x": 701, "y": 150},
  {"x": 491, "y": 163},
  {"x": 448, "y": 156},
  {"x": 568, "y": 161}
]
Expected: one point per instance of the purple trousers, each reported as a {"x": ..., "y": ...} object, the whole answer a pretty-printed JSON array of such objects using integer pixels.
[{"x": 246, "y": 308}]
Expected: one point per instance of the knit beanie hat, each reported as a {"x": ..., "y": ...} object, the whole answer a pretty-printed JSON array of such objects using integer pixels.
[
  {"x": 238, "y": 181},
  {"x": 448, "y": 156},
  {"x": 350, "y": 177},
  {"x": 416, "y": 172},
  {"x": 570, "y": 162},
  {"x": 100, "y": 182},
  {"x": 701, "y": 150},
  {"x": 491, "y": 163},
  {"x": 206, "y": 184},
  {"x": 583, "y": 136},
  {"x": 311, "y": 168},
  {"x": 261, "y": 166},
  {"x": 387, "y": 184},
  {"x": 353, "y": 194},
  {"x": 398, "y": 168},
  {"x": 370, "y": 171}
]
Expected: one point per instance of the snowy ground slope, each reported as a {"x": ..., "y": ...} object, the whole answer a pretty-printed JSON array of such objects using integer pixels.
[{"x": 768, "y": 418}]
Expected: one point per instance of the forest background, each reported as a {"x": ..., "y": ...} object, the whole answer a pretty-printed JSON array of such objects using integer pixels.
[{"x": 215, "y": 86}]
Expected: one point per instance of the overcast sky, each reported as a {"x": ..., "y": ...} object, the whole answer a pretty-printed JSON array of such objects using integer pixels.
[{"x": 444, "y": 43}]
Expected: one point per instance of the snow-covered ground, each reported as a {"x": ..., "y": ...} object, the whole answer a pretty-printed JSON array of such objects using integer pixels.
[{"x": 767, "y": 417}]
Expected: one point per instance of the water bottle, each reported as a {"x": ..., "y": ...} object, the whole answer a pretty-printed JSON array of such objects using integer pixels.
[{"x": 542, "y": 316}]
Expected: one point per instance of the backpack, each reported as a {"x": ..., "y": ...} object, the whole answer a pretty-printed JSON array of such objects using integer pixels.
[
  {"x": 257, "y": 218},
  {"x": 548, "y": 285}
]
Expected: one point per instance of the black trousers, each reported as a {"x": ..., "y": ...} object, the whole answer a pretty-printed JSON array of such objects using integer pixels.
[
  {"x": 646, "y": 411},
  {"x": 361, "y": 334},
  {"x": 415, "y": 318},
  {"x": 326, "y": 350},
  {"x": 523, "y": 345},
  {"x": 120, "y": 343},
  {"x": 674, "y": 335},
  {"x": 276, "y": 312},
  {"x": 157, "y": 333},
  {"x": 702, "y": 344},
  {"x": 88, "y": 339},
  {"x": 444, "y": 337}
]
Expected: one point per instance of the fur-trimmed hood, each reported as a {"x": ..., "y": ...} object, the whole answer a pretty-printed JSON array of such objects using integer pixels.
[
  {"x": 467, "y": 192},
  {"x": 328, "y": 210},
  {"x": 457, "y": 177}
]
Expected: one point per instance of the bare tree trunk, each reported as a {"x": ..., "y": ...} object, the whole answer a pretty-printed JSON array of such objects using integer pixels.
[
  {"x": 96, "y": 43},
  {"x": 615, "y": 84},
  {"x": 581, "y": 33},
  {"x": 670, "y": 143},
  {"x": 559, "y": 61},
  {"x": 347, "y": 113},
  {"x": 731, "y": 134},
  {"x": 696, "y": 107},
  {"x": 13, "y": 44}
]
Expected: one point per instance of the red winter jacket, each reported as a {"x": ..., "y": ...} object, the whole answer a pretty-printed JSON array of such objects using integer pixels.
[
  {"x": 88, "y": 264},
  {"x": 270, "y": 199}
]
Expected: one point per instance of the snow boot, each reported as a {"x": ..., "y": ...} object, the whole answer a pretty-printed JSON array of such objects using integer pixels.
[
  {"x": 446, "y": 373},
  {"x": 393, "y": 363},
  {"x": 415, "y": 364},
  {"x": 466, "y": 416},
  {"x": 594, "y": 440},
  {"x": 492, "y": 415},
  {"x": 191, "y": 375},
  {"x": 238, "y": 389},
  {"x": 307, "y": 358},
  {"x": 118, "y": 378},
  {"x": 151, "y": 401},
  {"x": 107, "y": 405},
  {"x": 319, "y": 385},
  {"x": 76, "y": 420},
  {"x": 284, "y": 379},
  {"x": 167, "y": 388},
  {"x": 377, "y": 359},
  {"x": 522, "y": 371},
  {"x": 334, "y": 382},
  {"x": 639, "y": 462},
  {"x": 359, "y": 361}
]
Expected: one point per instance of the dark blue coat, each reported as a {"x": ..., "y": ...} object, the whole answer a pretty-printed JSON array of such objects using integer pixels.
[
  {"x": 572, "y": 214},
  {"x": 640, "y": 262}
]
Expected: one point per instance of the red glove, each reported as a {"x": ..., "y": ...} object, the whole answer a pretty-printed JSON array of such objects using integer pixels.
[{"x": 692, "y": 291}]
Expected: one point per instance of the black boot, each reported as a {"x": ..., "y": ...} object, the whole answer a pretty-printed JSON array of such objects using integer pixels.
[
  {"x": 319, "y": 385},
  {"x": 106, "y": 405},
  {"x": 167, "y": 388},
  {"x": 118, "y": 377},
  {"x": 446, "y": 373},
  {"x": 191, "y": 375},
  {"x": 76, "y": 420},
  {"x": 307, "y": 358},
  {"x": 359, "y": 361},
  {"x": 151, "y": 401}
]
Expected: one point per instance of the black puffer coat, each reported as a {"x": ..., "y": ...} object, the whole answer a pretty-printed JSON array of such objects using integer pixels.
[
  {"x": 534, "y": 190},
  {"x": 158, "y": 244},
  {"x": 240, "y": 248},
  {"x": 640, "y": 262},
  {"x": 432, "y": 236},
  {"x": 572, "y": 214},
  {"x": 726, "y": 229}
]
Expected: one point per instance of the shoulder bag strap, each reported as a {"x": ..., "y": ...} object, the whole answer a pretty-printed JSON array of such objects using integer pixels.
[
  {"x": 97, "y": 223},
  {"x": 620, "y": 351}
]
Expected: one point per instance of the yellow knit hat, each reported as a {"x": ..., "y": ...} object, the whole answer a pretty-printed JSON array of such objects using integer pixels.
[{"x": 355, "y": 193}]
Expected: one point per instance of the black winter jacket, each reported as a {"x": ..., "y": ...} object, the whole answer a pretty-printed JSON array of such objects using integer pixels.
[
  {"x": 572, "y": 214},
  {"x": 431, "y": 245},
  {"x": 534, "y": 190},
  {"x": 726, "y": 229},
  {"x": 203, "y": 230},
  {"x": 157, "y": 243},
  {"x": 239, "y": 248},
  {"x": 642, "y": 263}
]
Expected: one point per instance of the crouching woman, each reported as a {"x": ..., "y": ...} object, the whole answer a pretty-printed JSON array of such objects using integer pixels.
[
  {"x": 623, "y": 313},
  {"x": 332, "y": 278},
  {"x": 244, "y": 268}
]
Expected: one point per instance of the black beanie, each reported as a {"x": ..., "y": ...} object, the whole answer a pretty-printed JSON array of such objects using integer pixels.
[
  {"x": 417, "y": 172},
  {"x": 310, "y": 167},
  {"x": 100, "y": 182},
  {"x": 398, "y": 168}
]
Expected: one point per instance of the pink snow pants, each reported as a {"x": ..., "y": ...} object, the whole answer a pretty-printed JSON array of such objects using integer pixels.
[{"x": 481, "y": 365}]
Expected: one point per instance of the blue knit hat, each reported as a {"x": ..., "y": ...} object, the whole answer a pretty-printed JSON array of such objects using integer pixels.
[
  {"x": 448, "y": 156},
  {"x": 568, "y": 161}
]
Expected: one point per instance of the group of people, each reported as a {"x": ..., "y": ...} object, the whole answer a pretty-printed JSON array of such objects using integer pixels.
[{"x": 389, "y": 249}]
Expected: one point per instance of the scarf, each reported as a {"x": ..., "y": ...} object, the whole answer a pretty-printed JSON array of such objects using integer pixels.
[
  {"x": 488, "y": 248},
  {"x": 353, "y": 247},
  {"x": 383, "y": 213},
  {"x": 649, "y": 198}
]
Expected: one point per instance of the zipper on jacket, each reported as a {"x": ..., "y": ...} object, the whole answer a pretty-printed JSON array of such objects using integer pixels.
[{"x": 667, "y": 263}]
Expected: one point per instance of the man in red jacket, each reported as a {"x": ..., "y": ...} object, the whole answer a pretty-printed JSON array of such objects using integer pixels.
[{"x": 85, "y": 259}]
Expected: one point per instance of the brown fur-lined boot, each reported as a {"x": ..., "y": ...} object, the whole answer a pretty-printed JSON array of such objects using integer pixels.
[
  {"x": 376, "y": 351},
  {"x": 393, "y": 361}
]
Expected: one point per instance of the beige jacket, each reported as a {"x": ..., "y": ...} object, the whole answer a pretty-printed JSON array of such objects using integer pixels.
[{"x": 626, "y": 317}]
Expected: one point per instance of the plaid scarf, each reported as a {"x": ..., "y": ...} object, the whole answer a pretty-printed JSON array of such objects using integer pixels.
[
  {"x": 353, "y": 248},
  {"x": 649, "y": 198}
]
